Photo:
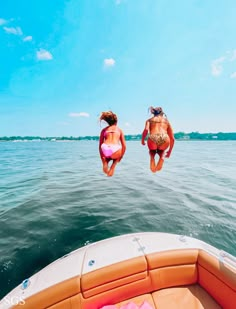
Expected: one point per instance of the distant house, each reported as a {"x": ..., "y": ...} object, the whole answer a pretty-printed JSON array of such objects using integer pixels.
[{"x": 186, "y": 137}]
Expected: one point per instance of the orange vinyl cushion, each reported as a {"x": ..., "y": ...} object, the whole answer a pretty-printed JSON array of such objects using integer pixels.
[
  {"x": 166, "y": 277},
  {"x": 65, "y": 304},
  {"x": 172, "y": 258},
  {"x": 172, "y": 268},
  {"x": 113, "y": 275},
  {"x": 127, "y": 279},
  {"x": 117, "y": 294},
  {"x": 160, "y": 273},
  {"x": 139, "y": 300},
  {"x": 222, "y": 271},
  {"x": 186, "y": 297},
  {"x": 52, "y": 295},
  {"x": 217, "y": 279}
]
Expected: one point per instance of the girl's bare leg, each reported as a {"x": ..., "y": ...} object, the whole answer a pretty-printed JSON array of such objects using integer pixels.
[
  {"x": 152, "y": 154},
  {"x": 159, "y": 165},
  {"x": 160, "y": 151},
  {"x": 112, "y": 168},
  {"x": 116, "y": 159},
  {"x": 105, "y": 165}
]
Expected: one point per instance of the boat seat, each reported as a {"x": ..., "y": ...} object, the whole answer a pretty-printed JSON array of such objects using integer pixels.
[
  {"x": 218, "y": 279},
  {"x": 57, "y": 296},
  {"x": 189, "y": 297},
  {"x": 184, "y": 278},
  {"x": 138, "y": 300},
  {"x": 172, "y": 268}
]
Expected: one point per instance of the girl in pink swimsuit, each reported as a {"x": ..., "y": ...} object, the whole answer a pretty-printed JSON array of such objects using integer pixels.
[{"x": 112, "y": 144}]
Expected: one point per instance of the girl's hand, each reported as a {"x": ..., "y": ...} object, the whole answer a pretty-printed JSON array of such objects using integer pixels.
[{"x": 167, "y": 154}]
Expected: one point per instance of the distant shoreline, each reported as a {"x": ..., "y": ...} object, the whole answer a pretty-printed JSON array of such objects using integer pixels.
[{"x": 230, "y": 136}]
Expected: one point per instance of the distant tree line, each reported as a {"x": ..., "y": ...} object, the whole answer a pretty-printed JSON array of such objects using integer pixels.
[
  {"x": 178, "y": 136},
  {"x": 206, "y": 136}
]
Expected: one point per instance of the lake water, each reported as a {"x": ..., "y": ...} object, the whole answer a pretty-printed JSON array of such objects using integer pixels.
[{"x": 54, "y": 198}]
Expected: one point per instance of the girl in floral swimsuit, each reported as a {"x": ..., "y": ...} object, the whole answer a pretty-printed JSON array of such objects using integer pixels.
[
  {"x": 160, "y": 138},
  {"x": 112, "y": 144}
]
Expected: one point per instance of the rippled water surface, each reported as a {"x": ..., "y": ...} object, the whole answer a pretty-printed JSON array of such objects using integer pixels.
[{"x": 54, "y": 198}]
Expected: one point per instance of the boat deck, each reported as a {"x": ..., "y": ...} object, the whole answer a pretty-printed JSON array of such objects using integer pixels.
[{"x": 166, "y": 271}]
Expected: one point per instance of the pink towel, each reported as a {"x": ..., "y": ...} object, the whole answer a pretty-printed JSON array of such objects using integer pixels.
[
  {"x": 145, "y": 305},
  {"x": 129, "y": 306}
]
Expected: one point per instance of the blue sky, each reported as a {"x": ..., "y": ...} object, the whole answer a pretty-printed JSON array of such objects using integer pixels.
[{"x": 64, "y": 62}]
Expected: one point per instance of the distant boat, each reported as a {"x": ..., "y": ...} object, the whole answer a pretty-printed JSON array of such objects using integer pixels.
[{"x": 158, "y": 270}]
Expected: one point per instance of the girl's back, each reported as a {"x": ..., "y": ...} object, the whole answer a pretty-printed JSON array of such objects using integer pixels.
[
  {"x": 112, "y": 134},
  {"x": 158, "y": 124}
]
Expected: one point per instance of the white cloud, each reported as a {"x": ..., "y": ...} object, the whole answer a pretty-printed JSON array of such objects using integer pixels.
[
  {"x": 233, "y": 55},
  {"x": 81, "y": 114},
  {"x": 2, "y": 21},
  {"x": 233, "y": 75},
  {"x": 43, "y": 54},
  {"x": 127, "y": 124},
  {"x": 28, "y": 38},
  {"x": 13, "y": 30},
  {"x": 109, "y": 62},
  {"x": 216, "y": 66}
]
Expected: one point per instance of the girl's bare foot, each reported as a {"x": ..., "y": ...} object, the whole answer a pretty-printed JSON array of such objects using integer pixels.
[
  {"x": 112, "y": 168},
  {"x": 161, "y": 161},
  {"x": 111, "y": 172}
]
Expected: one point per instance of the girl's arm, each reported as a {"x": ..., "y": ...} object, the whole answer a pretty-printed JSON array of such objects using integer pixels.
[
  {"x": 145, "y": 132},
  {"x": 172, "y": 140},
  {"x": 123, "y": 143},
  {"x": 101, "y": 139}
]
